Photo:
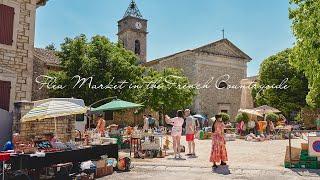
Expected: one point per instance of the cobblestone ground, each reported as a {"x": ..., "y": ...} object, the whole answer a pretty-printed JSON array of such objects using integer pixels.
[{"x": 247, "y": 160}]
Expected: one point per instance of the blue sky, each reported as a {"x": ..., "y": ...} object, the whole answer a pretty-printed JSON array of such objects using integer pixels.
[{"x": 258, "y": 27}]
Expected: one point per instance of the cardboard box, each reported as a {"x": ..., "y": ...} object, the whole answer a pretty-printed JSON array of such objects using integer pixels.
[
  {"x": 109, "y": 170},
  {"x": 295, "y": 154},
  {"x": 101, "y": 164},
  {"x": 304, "y": 146},
  {"x": 100, "y": 172}
]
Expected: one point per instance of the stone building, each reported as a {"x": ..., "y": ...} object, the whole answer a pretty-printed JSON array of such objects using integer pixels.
[
  {"x": 246, "y": 96},
  {"x": 132, "y": 32},
  {"x": 222, "y": 64},
  {"x": 16, "y": 50},
  {"x": 44, "y": 61}
]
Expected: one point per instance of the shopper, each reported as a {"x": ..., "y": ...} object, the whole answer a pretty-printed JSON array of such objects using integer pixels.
[
  {"x": 190, "y": 131},
  {"x": 218, "y": 148},
  {"x": 101, "y": 123},
  {"x": 176, "y": 131},
  {"x": 145, "y": 123},
  {"x": 10, "y": 145},
  {"x": 151, "y": 121}
]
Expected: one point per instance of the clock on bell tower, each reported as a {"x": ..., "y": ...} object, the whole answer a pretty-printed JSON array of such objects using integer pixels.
[{"x": 132, "y": 32}]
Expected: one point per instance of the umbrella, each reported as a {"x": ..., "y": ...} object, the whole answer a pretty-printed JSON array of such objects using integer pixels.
[
  {"x": 116, "y": 105},
  {"x": 266, "y": 109},
  {"x": 250, "y": 111},
  {"x": 53, "y": 108},
  {"x": 199, "y": 116}
]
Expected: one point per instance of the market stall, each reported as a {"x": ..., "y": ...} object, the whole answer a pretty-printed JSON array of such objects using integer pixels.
[
  {"x": 308, "y": 155},
  {"x": 147, "y": 144},
  {"x": 91, "y": 151}
]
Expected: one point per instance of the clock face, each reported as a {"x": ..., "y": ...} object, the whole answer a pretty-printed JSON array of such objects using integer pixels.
[{"x": 138, "y": 25}]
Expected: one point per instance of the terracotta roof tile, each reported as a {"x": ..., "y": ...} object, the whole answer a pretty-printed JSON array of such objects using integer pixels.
[{"x": 47, "y": 56}]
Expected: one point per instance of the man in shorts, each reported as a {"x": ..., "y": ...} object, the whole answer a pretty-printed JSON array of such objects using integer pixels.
[{"x": 190, "y": 131}]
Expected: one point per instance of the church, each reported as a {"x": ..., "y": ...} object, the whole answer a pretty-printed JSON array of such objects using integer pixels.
[
  {"x": 210, "y": 61},
  {"x": 21, "y": 62}
]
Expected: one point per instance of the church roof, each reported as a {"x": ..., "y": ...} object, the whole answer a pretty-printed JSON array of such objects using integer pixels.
[
  {"x": 48, "y": 56},
  {"x": 214, "y": 48},
  {"x": 133, "y": 11}
]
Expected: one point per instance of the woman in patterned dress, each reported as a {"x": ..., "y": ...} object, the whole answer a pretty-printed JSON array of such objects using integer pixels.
[{"x": 218, "y": 148}]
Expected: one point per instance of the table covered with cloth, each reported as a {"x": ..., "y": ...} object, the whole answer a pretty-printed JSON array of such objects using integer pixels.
[{"x": 25, "y": 161}]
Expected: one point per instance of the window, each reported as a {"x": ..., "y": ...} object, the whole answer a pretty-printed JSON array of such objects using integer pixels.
[
  {"x": 6, "y": 24},
  {"x": 224, "y": 111},
  {"x": 223, "y": 85},
  {"x": 137, "y": 47},
  {"x": 108, "y": 115},
  {"x": 5, "y": 87}
]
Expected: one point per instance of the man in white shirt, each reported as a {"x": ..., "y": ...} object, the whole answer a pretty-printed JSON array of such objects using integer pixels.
[{"x": 190, "y": 131}]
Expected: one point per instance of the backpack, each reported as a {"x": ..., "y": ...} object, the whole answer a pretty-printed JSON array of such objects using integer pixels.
[{"x": 151, "y": 121}]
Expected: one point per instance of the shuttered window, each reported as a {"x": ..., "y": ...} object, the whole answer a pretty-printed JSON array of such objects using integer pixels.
[
  {"x": 5, "y": 87},
  {"x": 6, "y": 24}
]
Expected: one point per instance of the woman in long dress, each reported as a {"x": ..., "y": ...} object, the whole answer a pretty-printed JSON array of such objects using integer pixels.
[
  {"x": 218, "y": 148},
  {"x": 176, "y": 131}
]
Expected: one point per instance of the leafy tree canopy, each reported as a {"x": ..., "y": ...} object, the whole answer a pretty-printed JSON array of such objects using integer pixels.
[
  {"x": 169, "y": 91},
  {"x": 305, "y": 16},
  {"x": 104, "y": 61},
  {"x": 110, "y": 64},
  {"x": 275, "y": 70}
]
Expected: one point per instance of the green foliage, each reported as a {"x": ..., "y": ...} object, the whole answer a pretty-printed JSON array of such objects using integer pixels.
[
  {"x": 273, "y": 71},
  {"x": 242, "y": 117},
  {"x": 298, "y": 117},
  {"x": 51, "y": 47},
  {"x": 225, "y": 117},
  {"x": 272, "y": 117},
  {"x": 169, "y": 91},
  {"x": 105, "y": 61},
  {"x": 305, "y": 15},
  {"x": 109, "y": 62}
]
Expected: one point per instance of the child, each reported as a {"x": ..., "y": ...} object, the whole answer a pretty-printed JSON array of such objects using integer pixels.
[{"x": 218, "y": 149}]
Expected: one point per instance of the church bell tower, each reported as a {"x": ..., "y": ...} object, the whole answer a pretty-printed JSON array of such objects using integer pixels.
[{"x": 132, "y": 32}]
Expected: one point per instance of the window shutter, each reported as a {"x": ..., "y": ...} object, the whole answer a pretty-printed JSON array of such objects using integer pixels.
[{"x": 6, "y": 24}]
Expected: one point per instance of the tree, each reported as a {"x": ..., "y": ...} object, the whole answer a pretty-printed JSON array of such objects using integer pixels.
[
  {"x": 242, "y": 117},
  {"x": 272, "y": 117},
  {"x": 167, "y": 90},
  {"x": 110, "y": 64},
  {"x": 104, "y": 61},
  {"x": 51, "y": 47},
  {"x": 225, "y": 117},
  {"x": 305, "y": 16},
  {"x": 275, "y": 70}
]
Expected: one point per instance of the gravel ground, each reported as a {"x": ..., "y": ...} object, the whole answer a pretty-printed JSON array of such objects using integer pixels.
[{"x": 247, "y": 160}]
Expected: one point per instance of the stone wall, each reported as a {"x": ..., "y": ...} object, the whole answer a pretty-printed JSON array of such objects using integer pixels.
[
  {"x": 16, "y": 60},
  {"x": 130, "y": 118},
  {"x": 39, "y": 68},
  {"x": 200, "y": 67},
  {"x": 65, "y": 128},
  {"x": 65, "y": 125}
]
